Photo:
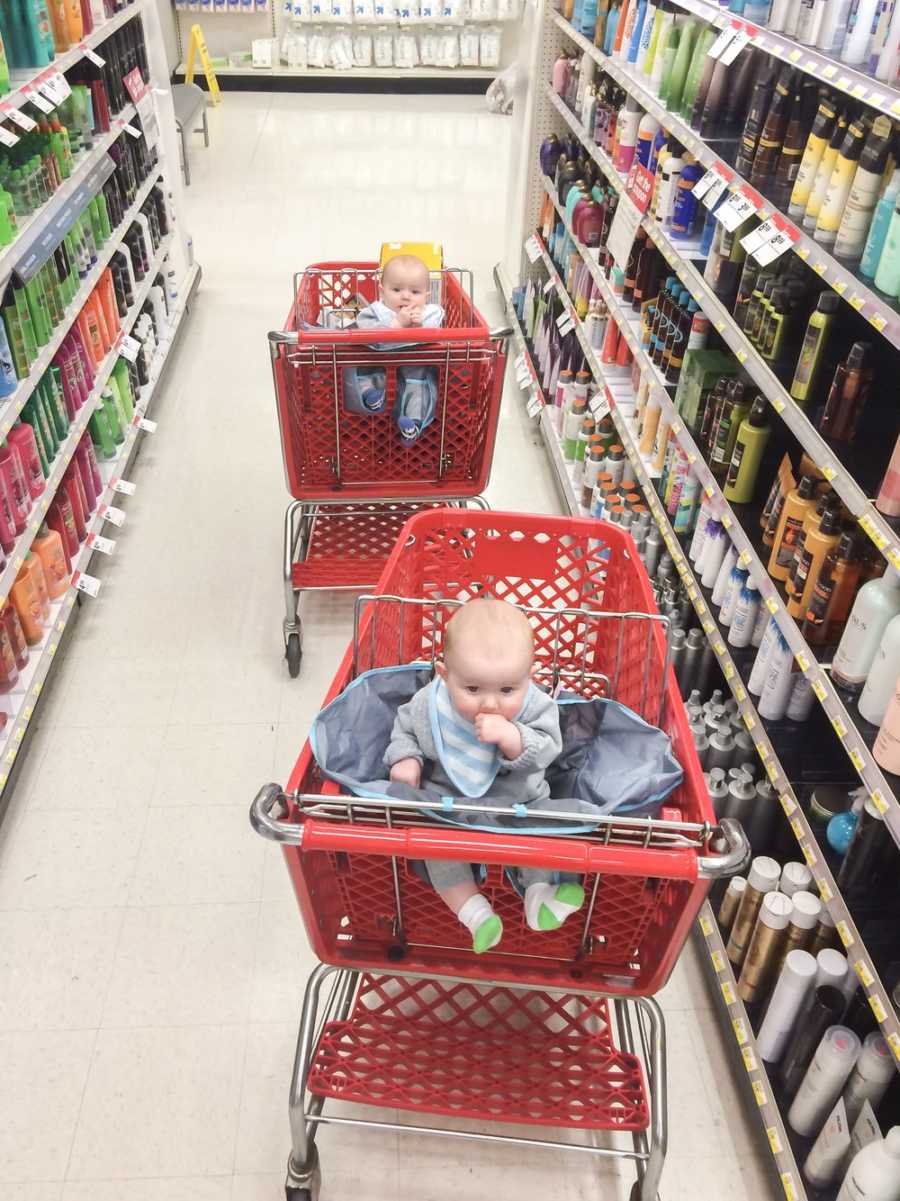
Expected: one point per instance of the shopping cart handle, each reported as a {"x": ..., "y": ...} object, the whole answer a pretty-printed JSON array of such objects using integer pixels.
[
  {"x": 262, "y": 821},
  {"x": 735, "y": 851}
]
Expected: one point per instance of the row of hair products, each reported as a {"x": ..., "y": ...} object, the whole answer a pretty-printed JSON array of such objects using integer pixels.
[
  {"x": 33, "y": 32},
  {"x": 799, "y": 987}
]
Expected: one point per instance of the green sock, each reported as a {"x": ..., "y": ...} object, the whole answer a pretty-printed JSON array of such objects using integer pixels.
[
  {"x": 567, "y": 899},
  {"x": 487, "y": 935}
]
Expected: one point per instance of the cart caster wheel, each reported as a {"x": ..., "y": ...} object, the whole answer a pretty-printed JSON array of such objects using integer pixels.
[
  {"x": 293, "y": 652},
  {"x": 298, "y": 1194}
]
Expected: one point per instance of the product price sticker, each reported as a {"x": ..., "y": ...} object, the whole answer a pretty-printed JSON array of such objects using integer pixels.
[
  {"x": 774, "y": 248},
  {"x": 764, "y": 751},
  {"x": 810, "y": 66},
  {"x": 830, "y": 71},
  {"x": 86, "y": 583},
  {"x": 856, "y": 301},
  {"x": 130, "y": 349},
  {"x": 148, "y": 426},
  {"x": 774, "y": 1142},
  {"x": 829, "y": 471},
  {"x": 824, "y": 891},
  {"x": 734, "y": 212},
  {"x": 532, "y": 249},
  {"x": 749, "y": 721},
  {"x": 37, "y": 100},
  {"x": 738, "y": 42},
  {"x": 56, "y": 88},
  {"x": 787, "y": 803},
  {"x": 564, "y": 322},
  {"x": 819, "y": 268},
  {"x": 726, "y": 521},
  {"x": 839, "y": 728},
  {"x": 856, "y": 759},
  {"x": 705, "y": 925},
  {"x": 752, "y": 241},
  {"x": 728, "y": 670},
  {"x": 808, "y": 854},
  {"x": 92, "y": 56},
  {"x": 113, "y": 515},
  {"x": 749, "y": 1059},
  {"x": 740, "y": 694},
  {"x": 723, "y": 40},
  {"x": 126, "y": 487},
  {"x": 844, "y": 934},
  {"x": 534, "y": 405},
  {"x": 819, "y": 689},
  {"x": 797, "y": 827},
  {"x": 862, "y": 970},
  {"x": 717, "y": 961},
  {"x": 133, "y": 130},
  {"x": 739, "y": 1026},
  {"x": 7, "y": 137},
  {"x": 728, "y": 993},
  {"x": 802, "y": 661},
  {"x": 719, "y": 647},
  {"x": 878, "y": 798},
  {"x": 840, "y": 286},
  {"x": 894, "y": 1043},
  {"x": 10, "y": 113},
  {"x": 719, "y": 185},
  {"x": 599, "y": 405},
  {"x": 760, "y": 1093},
  {"x": 705, "y": 182},
  {"x": 105, "y": 546},
  {"x": 876, "y": 99},
  {"x": 877, "y": 1006},
  {"x": 878, "y": 321},
  {"x": 772, "y": 605},
  {"x": 787, "y": 1182},
  {"x": 549, "y": 286},
  {"x": 772, "y": 770}
]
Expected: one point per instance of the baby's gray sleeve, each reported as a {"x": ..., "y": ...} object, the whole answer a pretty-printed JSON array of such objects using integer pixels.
[
  {"x": 404, "y": 744},
  {"x": 541, "y": 736}
]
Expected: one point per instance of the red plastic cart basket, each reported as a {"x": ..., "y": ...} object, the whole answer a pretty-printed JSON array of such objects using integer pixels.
[{"x": 416, "y": 1020}]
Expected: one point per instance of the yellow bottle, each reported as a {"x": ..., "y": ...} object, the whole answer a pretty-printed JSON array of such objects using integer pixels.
[{"x": 797, "y": 504}]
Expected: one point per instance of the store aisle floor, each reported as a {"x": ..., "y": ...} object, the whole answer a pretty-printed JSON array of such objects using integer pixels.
[{"x": 151, "y": 954}]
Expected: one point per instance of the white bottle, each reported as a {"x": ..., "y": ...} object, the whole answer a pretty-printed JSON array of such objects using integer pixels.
[
  {"x": 889, "y": 58},
  {"x": 834, "y": 1060},
  {"x": 779, "y": 15},
  {"x": 831, "y": 969},
  {"x": 859, "y": 29},
  {"x": 746, "y": 611},
  {"x": 876, "y": 604},
  {"x": 714, "y": 552},
  {"x": 796, "y": 982},
  {"x": 776, "y": 691},
  {"x": 762, "y": 623},
  {"x": 760, "y": 665},
  {"x": 833, "y": 28},
  {"x": 703, "y": 518},
  {"x": 795, "y": 877},
  {"x": 869, "y": 1079},
  {"x": 720, "y": 587},
  {"x": 883, "y": 675},
  {"x": 874, "y": 1172},
  {"x": 810, "y": 21}
]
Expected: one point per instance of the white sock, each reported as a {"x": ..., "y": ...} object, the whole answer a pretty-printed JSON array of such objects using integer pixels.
[
  {"x": 552, "y": 897},
  {"x": 473, "y": 914}
]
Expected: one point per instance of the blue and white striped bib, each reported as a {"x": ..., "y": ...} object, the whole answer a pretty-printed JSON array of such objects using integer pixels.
[{"x": 471, "y": 766}]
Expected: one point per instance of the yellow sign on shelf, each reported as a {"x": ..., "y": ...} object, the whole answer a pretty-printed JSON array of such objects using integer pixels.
[{"x": 197, "y": 45}]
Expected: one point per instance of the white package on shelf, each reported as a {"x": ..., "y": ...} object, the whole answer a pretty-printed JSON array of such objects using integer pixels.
[
  {"x": 363, "y": 11},
  {"x": 294, "y": 50},
  {"x": 408, "y": 12},
  {"x": 342, "y": 10},
  {"x": 317, "y": 49},
  {"x": 483, "y": 10},
  {"x": 509, "y": 10},
  {"x": 489, "y": 47},
  {"x": 406, "y": 51},
  {"x": 448, "y": 48},
  {"x": 453, "y": 12},
  {"x": 302, "y": 11},
  {"x": 362, "y": 49},
  {"x": 428, "y": 49},
  {"x": 429, "y": 11},
  {"x": 248, "y": 8},
  {"x": 263, "y": 51},
  {"x": 341, "y": 50},
  {"x": 383, "y": 48},
  {"x": 385, "y": 11},
  {"x": 219, "y": 7},
  {"x": 468, "y": 46}
]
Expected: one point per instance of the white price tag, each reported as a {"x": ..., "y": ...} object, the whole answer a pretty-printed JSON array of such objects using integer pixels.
[
  {"x": 548, "y": 287},
  {"x": 148, "y": 426},
  {"x": 705, "y": 182},
  {"x": 758, "y": 236},
  {"x": 86, "y": 583},
  {"x": 38, "y": 100},
  {"x": 7, "y": 137},
  {"x": 564, "y": 321},
  {"x": 534, "y": 406},
  {"x": 599, "y": 405},
  {"x": 532, "y": 249},
  {"x": 773, "y": 249},
  {"x": 715, "y": 50},
  {"x": 124, "y": 486},
  {"x": 133, "y": 130},
  {"x": 56, "y": 88},
  {"x": 719, "y": 185},
  {"x": 21, "y": 119},
  {"x": 93, "y": 57},
  {"x": 114, "y": 516},
  {"x": 130, "y": 349},
  {"x": 735, "y": 212},
  {"x": 105, "y": 546},
  {"x": 738, "y": 42}
]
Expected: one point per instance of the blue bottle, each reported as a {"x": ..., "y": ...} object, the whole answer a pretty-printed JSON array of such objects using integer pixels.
[
  {"x": 884, "y": 210},
  {"x": 684, "y": 214},
  {"x": 588, "y": 21},
  {"x": 635, "y": 43},
  {"x": 8, "y": 379}
]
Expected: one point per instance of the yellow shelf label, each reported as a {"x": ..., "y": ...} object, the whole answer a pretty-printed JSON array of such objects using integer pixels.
[
  {"x": 840, "y": 286},
  {"x": 839, "y": 728},
  {"x": 778, "y": 404},
  {"x": 19, "y": 734},
  {"x": 763, "y": 751},
  {"x": 862, "y": 970},
  {"x": 894, "y": 1043},
  {"x": 728, "y": 993},
  {"x": 808, "y": 854},
  {"x": 772, "y": 770},
  {"x": 802, "y": 661},
  {"x": 856, "y": 759},
  {"x": 692, "y": 458},
  {"x": 802, "y": 252},
  {"x": 772, "y": 605},
  {"x": 894, "y": 558},
  {"x": 795, "y": 56},
  {"x": 787, "y": 1183},
  {"x": 717, "y": 963},
  {"x": 749, "y": 1059},
  {"x": 857, "y": 301},
  {"x": 787, "y": 803},
  {"x": 726, "y": 521},
  {"x": 692, "y": 593},
  {"x": 824, "y": 891},
  {"x": 744, "y": 558},
  {"x": 705, "y": 925},
  {"x": 844, "y": 932},
  {"x": 720, "y": 325},
  {"x": 878, "y": 321},
  {"x": 877, "y": 1006},
  {"x": 749, "y": 721},
  {"x": 708, "y": 627},
  {"x": 740, "y": 695},
  {"x": 741, "y": 355},
  {"x": 819, "y": 268},
  {"x": 709, "y": 491},
  {"x": 774, "y": 1140},
  {"x": 760, "y": 1093},
  {"x": 797, "y": 827},
  {"x": 728, "y": 670},
  {"x": 829, "y": 472},
  {"x": 719, "y": 647},
  {"x": 819, "y": 689},
  {"x": 740, "y": 1030},
  {"x": 830, "y": 71},
  {"x": 880, "y": 803},
  {"x": 28, "y": 710}
]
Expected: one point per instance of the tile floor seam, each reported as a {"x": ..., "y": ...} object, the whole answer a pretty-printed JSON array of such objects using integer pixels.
[{"x": 84, "y": 1088}]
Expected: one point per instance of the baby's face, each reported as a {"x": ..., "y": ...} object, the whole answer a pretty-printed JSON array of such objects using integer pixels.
[
  {"x": 492, "y": 683},
  {"x": 404, "y": 284}
]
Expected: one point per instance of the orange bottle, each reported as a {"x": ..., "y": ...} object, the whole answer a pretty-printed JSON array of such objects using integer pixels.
[
  {"x": 34, "y": 565},
  {"x": 9, "y": 672},
  {"x": 48, "y": 547},
  {"x": 26, "y": 599},
  {"x": 74, "y": 21},
  {"x": 107, "y": 295},
  {"x": 106, "y": 339}
]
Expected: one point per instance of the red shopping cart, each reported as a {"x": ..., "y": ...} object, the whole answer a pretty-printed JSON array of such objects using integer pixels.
[
  {"x": 551, "y": 1029},
  {"x": 354, "y": 479}
]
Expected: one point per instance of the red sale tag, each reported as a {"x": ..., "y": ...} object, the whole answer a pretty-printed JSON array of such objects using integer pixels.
[
  {"x": 135, "y": 85},
  {"x": 639, "y": 186}
]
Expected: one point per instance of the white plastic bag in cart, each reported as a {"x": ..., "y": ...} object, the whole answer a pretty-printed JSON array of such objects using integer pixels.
[
  {"x": 383, "y": 48},
  {"x": 468, "y": 47},
  {"x": 362, "y": 49},
  {"x": 341, "y": 52},
  {"x": 489, "y": 47},
  {"x": 406, "y": 51},
  {"x": 500, "y": 93}
]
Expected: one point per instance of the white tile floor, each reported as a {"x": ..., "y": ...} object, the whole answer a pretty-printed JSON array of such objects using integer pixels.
[{"x": 151, "y": 956}]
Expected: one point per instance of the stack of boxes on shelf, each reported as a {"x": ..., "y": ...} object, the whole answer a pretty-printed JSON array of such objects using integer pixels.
[{"x": 702, "y": 386}]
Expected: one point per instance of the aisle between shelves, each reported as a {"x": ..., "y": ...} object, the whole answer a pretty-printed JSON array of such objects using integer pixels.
[
  {"x": 845, "y": 724},
  {"x": 20, "y": 703},
  {"x": 620, "y": 399}
]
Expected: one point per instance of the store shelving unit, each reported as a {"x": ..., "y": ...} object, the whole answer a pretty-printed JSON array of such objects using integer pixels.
[
  {"x": 551, "y": 115},
  {"x": 89, "y": 172}
]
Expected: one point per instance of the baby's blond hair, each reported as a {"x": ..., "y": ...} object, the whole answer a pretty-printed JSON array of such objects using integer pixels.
[
  {"x": 499, "y": 625},
  {"x": 405, "y": 260}
]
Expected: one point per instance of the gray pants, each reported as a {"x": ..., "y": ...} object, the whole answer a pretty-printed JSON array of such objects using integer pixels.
[{"x": 445, "y": 873}]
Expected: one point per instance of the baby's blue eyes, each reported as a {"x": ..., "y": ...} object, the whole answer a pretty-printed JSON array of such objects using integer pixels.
[{"x": 473, "y": 690}]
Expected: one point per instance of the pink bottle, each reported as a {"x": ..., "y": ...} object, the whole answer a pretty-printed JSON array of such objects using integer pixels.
[
  {"x": 95, "y": 468},
  {"x": 562, "y": 69},
  {"x": 22, "y": 437},
  {"x": 7, "y": 520},
  {"x": 87, "y": 476},
  {"x": 75, "y": 492},
  {"x": 16, "y": 487}
]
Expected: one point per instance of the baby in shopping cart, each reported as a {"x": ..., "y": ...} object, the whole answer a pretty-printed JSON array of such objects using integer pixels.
[{"x": 483, "y": 727}]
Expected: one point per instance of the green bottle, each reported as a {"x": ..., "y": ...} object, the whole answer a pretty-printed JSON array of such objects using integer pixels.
[
  {"x": 93, "y": 210},
  {"x": 30, "y": 417},
  {"x": 669, "y": 49},
  {"x": 678, "y": 75},
  {"x": 51, "y": 441},
  {"x": 101, "y": 434},
  {"x": 812, "y": 350},
  {"x": 4, "y": 70},
  {"x": 123, "y": 382},
  {"x": 29, "y": 334},
  {"x": 112, "y": 415},
  {"x": 699, "y": 63},
  {"x": 105, "y": 223},
  {"x": 58, "y": 411},
  {"x": 752, "y": 436},
  {"x": 112, "y": 387},
  {"x": 7, "y": 216}
]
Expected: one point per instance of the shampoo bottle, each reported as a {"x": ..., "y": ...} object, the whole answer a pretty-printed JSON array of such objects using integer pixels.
[
  {"x": 877, "y": 602},
  {"x": 874, "y": 1172}
]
